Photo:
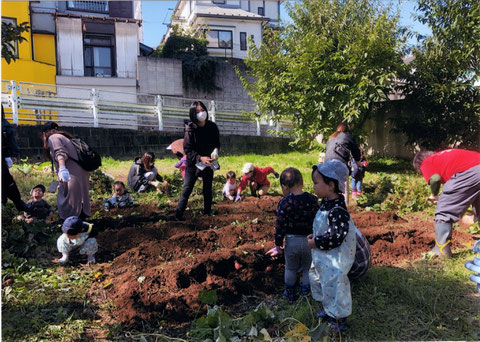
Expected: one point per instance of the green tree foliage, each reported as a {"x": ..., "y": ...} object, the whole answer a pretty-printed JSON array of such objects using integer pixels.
[
  {"x": 442, "y": 105},
  {"x": 198, "y": 68},
  {"x": 329, "y": 65},
  {"x": 11, "y": 35}
]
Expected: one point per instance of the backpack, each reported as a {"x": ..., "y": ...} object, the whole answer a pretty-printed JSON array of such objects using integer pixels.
[{"x": 88, "y": 159}]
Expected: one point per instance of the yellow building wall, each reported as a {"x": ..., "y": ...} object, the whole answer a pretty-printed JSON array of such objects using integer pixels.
[{"x": 25, "y": 68}]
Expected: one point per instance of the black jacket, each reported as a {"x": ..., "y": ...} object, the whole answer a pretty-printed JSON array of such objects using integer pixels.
[
  {"x": 341, "y": 147},
  {"x": 200, "y": 141},
  {"x": 136, "y": 176},
  {"x": 9, "y": 145}
]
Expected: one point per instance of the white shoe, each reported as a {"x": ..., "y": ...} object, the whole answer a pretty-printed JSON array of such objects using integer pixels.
[
  {"x": 91, "y": 259},
  {"x": 63, "y": 259}
]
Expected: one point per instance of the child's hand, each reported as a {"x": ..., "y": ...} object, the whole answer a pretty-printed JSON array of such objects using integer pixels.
[
  {"x": 311, "y": 241},
  {"x": 29, "y": 220},
  {"x": 230, "y": 197}
]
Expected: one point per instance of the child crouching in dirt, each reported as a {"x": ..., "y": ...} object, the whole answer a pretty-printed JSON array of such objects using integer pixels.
[
  {"x": 77, "y": 234},
  {"x": 230, "y": 186},
  {"x": 120, "y": 199},
  {"x": 333, "y": 245},
  {"x": 295, "y": 214},
  {"x": 256, "y": 178}
]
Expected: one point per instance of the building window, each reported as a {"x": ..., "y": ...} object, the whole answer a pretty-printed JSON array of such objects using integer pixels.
[
  {"x": 220, "y": 39},
  {"x": 13, "y": 22},
  {"x": 243, "y": 40},
  {"x": 261, "y": 11},
  {"x": 218, "y": 1},
  {"x": 89, "y": 6}
]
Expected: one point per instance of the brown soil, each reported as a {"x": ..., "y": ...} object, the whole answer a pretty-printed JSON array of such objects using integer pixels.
[{"x": 160, "y": 266}]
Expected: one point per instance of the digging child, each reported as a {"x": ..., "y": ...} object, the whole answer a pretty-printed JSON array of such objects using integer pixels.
[
  {"x": 256, "y": 178},
  {"x": 459, "y": 172},
  {"x": 295, "y": 214},
  {"x": 80, "y": 235},
  {"x": 230, "y": 186},
  {"x": 334, "y": 247}
]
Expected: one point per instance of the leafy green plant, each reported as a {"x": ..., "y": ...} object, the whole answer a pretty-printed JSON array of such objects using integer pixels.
[{"x": 11, "y": 36}]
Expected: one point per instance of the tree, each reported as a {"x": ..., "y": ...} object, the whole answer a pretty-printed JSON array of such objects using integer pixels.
[
  {"x": 331, "y": 64},
  {"x": 11, "y": 35},
  {"x": 198, "y": 68},
  {"x": 442, "y": 105}
]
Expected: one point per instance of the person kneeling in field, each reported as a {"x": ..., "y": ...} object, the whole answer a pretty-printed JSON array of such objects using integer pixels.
[
  {"x": 256, "y": 178},
  {"x": 295, "y": 214},
  {"x": 77, "y": 234},
  {"x": 459, "y": 172},
  {"x": 120, "y": 199},
  {"x": 337, "y": 257}
]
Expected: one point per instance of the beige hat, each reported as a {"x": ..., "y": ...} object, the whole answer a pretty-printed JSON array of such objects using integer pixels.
[{"x": 248, "y": 167}]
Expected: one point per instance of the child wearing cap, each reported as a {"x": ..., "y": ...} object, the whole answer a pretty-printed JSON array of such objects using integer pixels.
[
  {"x": 256, "y": 178},
  {"x": 77, "y": 234},
  {"x": 333, "y": 245},
  {"x": 295, "y": 213},
  {"x": 39, "y": 208},
  {"x": 120, "y": 199}
]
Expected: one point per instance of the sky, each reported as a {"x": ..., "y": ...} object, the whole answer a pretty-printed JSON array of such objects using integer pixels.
[{"x": 156, "y": 16}]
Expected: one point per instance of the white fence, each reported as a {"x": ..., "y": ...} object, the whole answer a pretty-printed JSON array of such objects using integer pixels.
[{"x": 34, "y": 103}]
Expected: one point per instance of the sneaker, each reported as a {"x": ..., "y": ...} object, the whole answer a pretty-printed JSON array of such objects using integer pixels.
[
  {"x": 304, "y": 289},
  {"x": 289, "y": 293},
  {"x": 91, "y": 259},
  {"x": 337, "y": 325},
  {"x": 63, "y": 259}
]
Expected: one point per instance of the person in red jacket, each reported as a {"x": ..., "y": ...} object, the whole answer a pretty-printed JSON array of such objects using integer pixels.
[
  {"x": 459, "y": 172},
  {"x": 256, "y": 178}
]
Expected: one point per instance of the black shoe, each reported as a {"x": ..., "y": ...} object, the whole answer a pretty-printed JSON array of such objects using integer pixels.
[{"x": 211, "y": 213}]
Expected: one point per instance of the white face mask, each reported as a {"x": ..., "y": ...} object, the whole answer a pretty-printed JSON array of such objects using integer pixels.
[{"x": 202, "y": 116}]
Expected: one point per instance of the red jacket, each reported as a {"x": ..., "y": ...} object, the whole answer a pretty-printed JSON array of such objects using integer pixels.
[
  {"x": 449, "y": 162},
  {"x": 259, "y": 176}
]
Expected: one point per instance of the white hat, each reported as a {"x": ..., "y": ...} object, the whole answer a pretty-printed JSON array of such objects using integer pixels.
[
  {"x": 248, "y": 167},
  {"x": 335, "y": 169}
]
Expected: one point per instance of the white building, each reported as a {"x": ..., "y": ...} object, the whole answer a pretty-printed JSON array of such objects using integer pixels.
[{"x": 228, "y": 24}]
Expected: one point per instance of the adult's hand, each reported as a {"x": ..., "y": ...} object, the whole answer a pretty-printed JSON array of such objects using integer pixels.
[
  {"x": 275, "y": 251},
  {"x": 238, "y": 198},
  {"x": 63, "y": 174},
  {"x": 432, "y": 199},
  {"x": 276, "y": 175},
  {"x": 206, "y": 160}
]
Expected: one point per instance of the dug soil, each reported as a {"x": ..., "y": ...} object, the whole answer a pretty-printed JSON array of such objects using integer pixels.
[{"x": 158, "y": 267}]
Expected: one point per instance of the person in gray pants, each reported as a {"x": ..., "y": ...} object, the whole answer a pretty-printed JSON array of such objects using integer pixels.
[{"x": 459, "y": 172}]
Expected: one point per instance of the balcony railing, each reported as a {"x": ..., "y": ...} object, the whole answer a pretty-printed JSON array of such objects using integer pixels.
[{"x": 89, "y": 6}]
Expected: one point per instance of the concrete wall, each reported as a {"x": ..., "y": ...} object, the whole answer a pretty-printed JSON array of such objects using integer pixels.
[
  {"x": 160, "y": 76},
  {"x": 127, "y": 144}
]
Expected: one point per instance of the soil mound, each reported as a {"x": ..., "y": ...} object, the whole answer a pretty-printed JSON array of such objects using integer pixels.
[{"x": 162, "y": 266}]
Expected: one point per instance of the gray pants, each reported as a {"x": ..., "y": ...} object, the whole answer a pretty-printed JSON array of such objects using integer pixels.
[
  {"x": 458, "y": 193},
  {"x": 298, "y": 257}
]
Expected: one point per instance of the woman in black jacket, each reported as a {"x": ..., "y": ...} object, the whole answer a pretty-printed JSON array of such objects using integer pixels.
[
  {"x": 144, "y": 173},
  {"x": 201, "y": 144},
  {"x": 342, "y": 146}
]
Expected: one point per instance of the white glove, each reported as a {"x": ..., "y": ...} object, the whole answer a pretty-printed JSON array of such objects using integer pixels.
[
  {"x": 63, "y": 174},
  {"x": 9, "y": 162},
  {"x": 214, "y": 154},
  {"x": 238, "y": 197}
]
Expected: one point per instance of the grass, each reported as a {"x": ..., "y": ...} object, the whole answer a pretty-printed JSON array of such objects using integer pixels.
[{"x": 431, "y": 300}]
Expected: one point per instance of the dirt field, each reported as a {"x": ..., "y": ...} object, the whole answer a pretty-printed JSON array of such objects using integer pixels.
[{"x": 160, "y": 266}]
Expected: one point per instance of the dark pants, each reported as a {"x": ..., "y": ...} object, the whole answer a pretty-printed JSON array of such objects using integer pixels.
[
  {"x": 191, "y": 175},
  {"x": 9, "y": 189}
]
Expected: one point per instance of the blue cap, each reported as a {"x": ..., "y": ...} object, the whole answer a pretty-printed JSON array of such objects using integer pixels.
[
  {"x": 335, "y": 169},
  {"x": 73, "y": 225}
]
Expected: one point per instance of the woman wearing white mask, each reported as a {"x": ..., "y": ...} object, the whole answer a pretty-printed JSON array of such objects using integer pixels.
[{"x": 201, "y": 144}]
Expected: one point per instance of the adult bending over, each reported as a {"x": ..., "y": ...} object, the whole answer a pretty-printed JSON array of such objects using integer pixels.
[
  {"x": 72, "y": 198},
  {"x": 201, "y": 144},
  {"x": 459, "y": 172},
  {"x": 342, "y": 146},
  {"x": 143, "y": 173}
]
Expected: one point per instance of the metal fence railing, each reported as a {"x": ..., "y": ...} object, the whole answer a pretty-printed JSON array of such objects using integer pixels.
[{"x": 34, "y": 103}]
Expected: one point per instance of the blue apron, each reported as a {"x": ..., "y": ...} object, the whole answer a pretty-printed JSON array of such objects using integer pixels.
[{"x": 329, "y": 271}]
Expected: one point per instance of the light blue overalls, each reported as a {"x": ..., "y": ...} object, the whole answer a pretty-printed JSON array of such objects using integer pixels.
[{"x": 329, "y": 271}]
